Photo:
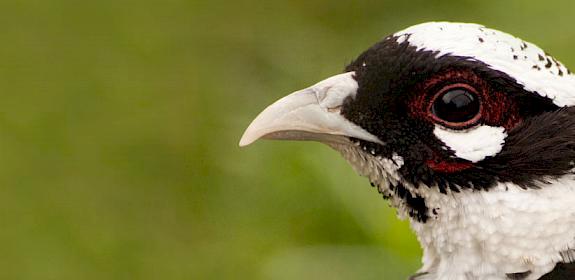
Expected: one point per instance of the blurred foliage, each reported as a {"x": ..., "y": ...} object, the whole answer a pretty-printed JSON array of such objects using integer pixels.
[{"x": 119, "y": 128}]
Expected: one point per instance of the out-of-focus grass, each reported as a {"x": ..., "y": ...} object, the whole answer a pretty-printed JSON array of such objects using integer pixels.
[{"x": 119, "y": 125}]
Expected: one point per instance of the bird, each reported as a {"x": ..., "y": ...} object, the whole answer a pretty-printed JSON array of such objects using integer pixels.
[{"x": 469, "y": 132}]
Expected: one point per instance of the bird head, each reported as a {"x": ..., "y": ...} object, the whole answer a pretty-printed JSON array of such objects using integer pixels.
[{"x": 438, "y": 108}]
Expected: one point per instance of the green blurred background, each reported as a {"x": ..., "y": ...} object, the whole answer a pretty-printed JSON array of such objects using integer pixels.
[{"x": 120, "y": 122}]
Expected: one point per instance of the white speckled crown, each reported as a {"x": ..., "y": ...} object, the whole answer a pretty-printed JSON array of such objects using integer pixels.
[{"x": 523, "y": 61}]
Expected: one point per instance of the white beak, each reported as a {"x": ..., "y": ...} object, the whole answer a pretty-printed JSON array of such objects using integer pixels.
[{"x": 310, "y": 114}]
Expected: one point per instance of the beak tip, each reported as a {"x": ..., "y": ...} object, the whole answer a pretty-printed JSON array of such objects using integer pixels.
[
  {"x": 243, "y": 143},
  {"x": 246, "y": 140}
]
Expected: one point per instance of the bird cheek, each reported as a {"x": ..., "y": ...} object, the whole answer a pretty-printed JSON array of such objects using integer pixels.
[
  {"x": 442, "y": 166},
  {"x": 473, "y": 144}
]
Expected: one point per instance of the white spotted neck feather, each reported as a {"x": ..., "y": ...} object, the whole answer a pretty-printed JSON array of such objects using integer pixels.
[
  {"x": 482, "y": 234},
  {"x": 489, "y": 234}
]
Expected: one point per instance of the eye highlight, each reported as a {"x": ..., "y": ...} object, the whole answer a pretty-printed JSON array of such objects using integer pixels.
[{"x": 456, "y": 105}]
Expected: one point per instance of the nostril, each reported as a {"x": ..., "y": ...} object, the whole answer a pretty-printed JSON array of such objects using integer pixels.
[
  {"x": 334, "y": 109},
  {"x": 519, "y": 275}
]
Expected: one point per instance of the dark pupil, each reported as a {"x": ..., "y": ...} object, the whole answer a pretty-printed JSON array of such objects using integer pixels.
[{"x": 456, "y": 105}]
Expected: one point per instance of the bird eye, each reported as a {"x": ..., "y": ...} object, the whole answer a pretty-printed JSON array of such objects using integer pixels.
[{"x": 456, "y": 104}]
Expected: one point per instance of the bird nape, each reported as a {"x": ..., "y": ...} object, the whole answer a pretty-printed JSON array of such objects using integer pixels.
[{"x": 470, "y": 134}]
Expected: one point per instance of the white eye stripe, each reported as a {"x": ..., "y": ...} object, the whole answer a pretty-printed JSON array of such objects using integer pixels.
[
  {"x": 473, "y": 144},
  {"x": 529, "y": 65}
]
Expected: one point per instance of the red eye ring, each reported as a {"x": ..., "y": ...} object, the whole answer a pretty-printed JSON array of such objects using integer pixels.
[
  {"x": 497, "y": 108},
  {"x": 469, "y": 92}
]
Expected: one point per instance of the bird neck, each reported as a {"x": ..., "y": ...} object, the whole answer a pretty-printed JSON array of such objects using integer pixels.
[
  {"x": 506, "y": 230},
  {"x": 479, "y": 234}
]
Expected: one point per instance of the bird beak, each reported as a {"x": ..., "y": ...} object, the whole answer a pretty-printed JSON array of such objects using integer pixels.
[{"x": 313, "y": 114}]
